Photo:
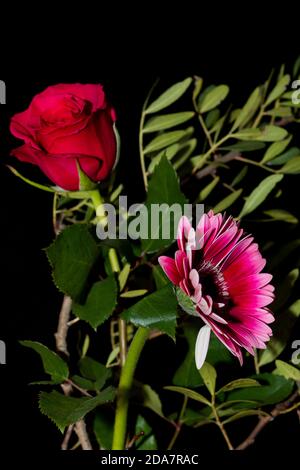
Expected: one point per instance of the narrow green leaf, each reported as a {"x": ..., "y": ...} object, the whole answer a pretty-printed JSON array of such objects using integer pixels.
[
  {"x": 244, "y": 414},
  {"x": 123, "y": 276},
  {"x": 189, "y": 393},
  {"x": 280, "y": 214},
  {"x": 260, "y": 193},
  {"x": 239, "y": 383},
  {"x": 157, "y": 310},
  {"x": 285, "y": 157},
  {"x": 63, "y": 410},
  {"x": 208, "y": 189},
  {"x": 287, "y": 370},
  {"x": 72, "y": 256},
  {"x": 52, "y": 363},
  {"x": 285, "y": 289},
  {"x": 279, "y": 89},
  {"x": 228, "y": 201},
  {"x": 240, "y": 176},
  {"x": 275, "y": 149},
  {"x": 292, "y": 166},
  {"x": 273, "y": 134},
  {"x": 213, "y": 98},
  {"x": 169, "y": 96},
  {"x": 167, "y": 121},
  {"x": 249, "y": 109},
  {"x": 134, "y": 293},
  {"x": 100, "y": 302},
  {"x": 209, "y": 376},
  {"x": 163, "y": 140}
]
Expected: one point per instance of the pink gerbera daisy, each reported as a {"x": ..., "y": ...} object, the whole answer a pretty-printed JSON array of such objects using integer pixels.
[{"x": 219, "y": 268}]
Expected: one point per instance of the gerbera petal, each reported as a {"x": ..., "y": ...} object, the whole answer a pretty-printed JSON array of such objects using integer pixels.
[
  {"x": 184, "y": 228},
  {"x": 169, "y": 267},
  {"x": 201, "y": 346}
]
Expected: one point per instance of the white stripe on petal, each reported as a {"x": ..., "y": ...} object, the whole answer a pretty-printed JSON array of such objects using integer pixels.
[{"x": 201, "y": 347}]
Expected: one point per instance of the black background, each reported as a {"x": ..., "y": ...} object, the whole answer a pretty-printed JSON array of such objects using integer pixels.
[{"x": 126, "y": 62}]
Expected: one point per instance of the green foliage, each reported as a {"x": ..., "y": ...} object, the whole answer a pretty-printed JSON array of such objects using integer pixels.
[
  {"x": 147, "y": 441},
  {"x": 169, "y": 97},
  {"x": 53, "y": 365},
  {"x": 72, "y": 256}
]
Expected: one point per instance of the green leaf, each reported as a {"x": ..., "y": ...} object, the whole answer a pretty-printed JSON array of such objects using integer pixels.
[
  {"x": 285, "y": 288},
  {"x": 189, "y": 394},
  {"x": 292, "y": 166},
  {"x": 273, "y": 134},
  {"x": 247, "y": 134},
  {"x": 249, "y": 109},
  {"x": 63, "y": 410},
  {"x": 83, "y": 383},
  {"x": 273, "y": 389},
  {"x": 164, "y": 190},
  {"x": 296, "y": 67},
  {"x": 72, "y": 256},
  {"x": 281, "y": 332},
  {"x": 100, "y": 302},
  {"x": 212, "y": 117},
  {"x": 159, "y": 123},
  {"x": 285, "y": 157},
  {"x": 157, "y": 310},
  {"x": 187, "y": 375},
  {"x": 95, "y": 371},
  {"x": 228, "y": 201},
  {"x": 279, "y": 89},
  {"x": 147, "y": 441},
  {"x": 134, "y": 293},
  {"x": 245, "y": 146},
  {"x": 260, "y": 193},
  {"x": 280, "y": 214},
  {"x": 244, "y": 414},
  {"x": 213, "y": 98},
  {"x": 238, "y": 383},
  {"x": 103, "y": 428},
  {"x": 287, "y": 371},
  {"x": 209, "y": 376},
  {"x": 123, "y": 276},
  {"x": 186, "y": 302},
  {"x": 160, "y": 278},
  {"x": 164, "y": 140},
  {"x": 240, "y": 176},
  {"x": 169, "y": 96},
  {"x": 275, "y": 149},
  {"x": 198, "y": 82},
  {"x": 208, "y": 189},
  {"x": 85, "y": 183},
  {"x": 151, "y": 400},
  {"x": 52, "y": 363}
]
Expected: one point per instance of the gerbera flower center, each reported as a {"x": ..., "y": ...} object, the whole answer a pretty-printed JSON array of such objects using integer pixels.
[{"x": 213, "y": 282}]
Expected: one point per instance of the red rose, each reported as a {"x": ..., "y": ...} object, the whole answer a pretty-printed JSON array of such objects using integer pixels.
[{"x": 66, "y": 125}]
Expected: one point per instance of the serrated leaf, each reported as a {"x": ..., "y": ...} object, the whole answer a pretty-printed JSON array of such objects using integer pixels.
[
  {"x": 164, "y": 190},
  {"x": 292, "y": 166},
  {"x": 249, "y": 109},
  {"x": 259, "y": 194},
  {"x": 205, "y": 192},
  {"x": 213, "y": 98},
  {"x": 100, "y": 302},
  {"x": 275, "y": 149},
  {"x": 164, "y": 140},
  {"x": 281, "y": 332},
  {"x": 52, "y": 363},
  {"x": 63, "y": 410},
  {"x": 134, "y": 293},
  {"x": 151, "y": 400},
  {"x": 94, "y": 371},
  {"x": 147, "y": 441},
  {"x": 72, "y": 256},
  {"x": 209, "y": 376},
  {"x": 278, "y": 90},
  {"x": 287, "y": 370},
  {"x": 280, "y": 214},
  {"x": 156, "y": 311},
  {"x": 169, "y": 96},
  {"x": 189, "y": 394},
  {"x": 244, "y": 414},
  {"x": 228, "y": 201},
  {"x": 273, "y": 389},
  {"x": 239, "y": 383},
  {"x": 166, "y": 121}
]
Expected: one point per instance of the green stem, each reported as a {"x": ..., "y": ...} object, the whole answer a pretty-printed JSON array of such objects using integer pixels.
[
  {"x": 124, "y": 388},
  {"x": 212, "y": 150},
  {"x": 252, "y": 162},
  {"x": 178, "y": 425},
  {"x": 221, "y": 426}
]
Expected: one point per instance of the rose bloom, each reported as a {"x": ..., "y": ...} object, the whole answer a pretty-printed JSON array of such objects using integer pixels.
[
  {"x": 66, "y": 126},
  {"x": 219, "y": 268}
]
